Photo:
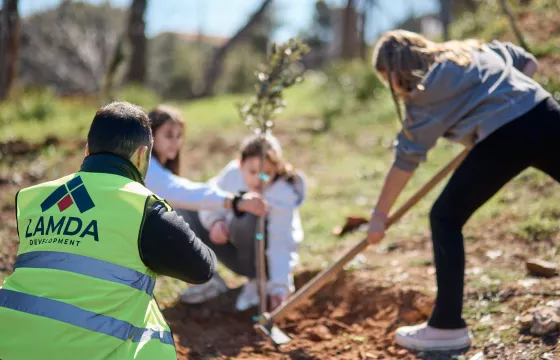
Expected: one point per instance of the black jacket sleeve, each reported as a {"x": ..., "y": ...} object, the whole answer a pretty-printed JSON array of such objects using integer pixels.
[{"x": 169, "y": 247}]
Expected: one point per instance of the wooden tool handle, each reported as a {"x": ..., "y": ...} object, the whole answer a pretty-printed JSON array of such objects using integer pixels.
[{"x": 326, "y": 275}]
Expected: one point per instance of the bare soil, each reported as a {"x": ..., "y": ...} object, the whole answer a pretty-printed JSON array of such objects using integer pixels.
[{"x": 355, "y": 316}]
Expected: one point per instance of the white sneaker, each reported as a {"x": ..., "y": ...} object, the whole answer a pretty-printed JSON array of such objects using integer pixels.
[
  {"x": 248, "y": 297},
  {"x": 423, "y": 338},
  {"x": 197, "y": 294}
]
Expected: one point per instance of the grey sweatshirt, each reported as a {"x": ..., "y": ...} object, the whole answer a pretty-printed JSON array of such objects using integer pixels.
[{"x": 466, "y": 104}]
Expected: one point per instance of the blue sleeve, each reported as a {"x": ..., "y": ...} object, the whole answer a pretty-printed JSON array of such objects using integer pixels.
[{"x": 519, "y": 55}]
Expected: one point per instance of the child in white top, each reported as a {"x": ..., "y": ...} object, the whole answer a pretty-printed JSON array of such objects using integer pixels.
[
  {"x": 232, "y": 236},
  {"x": 163, "y": 178}
]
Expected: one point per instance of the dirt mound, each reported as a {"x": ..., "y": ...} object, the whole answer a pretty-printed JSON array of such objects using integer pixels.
[{"x": 353, "y": 317}]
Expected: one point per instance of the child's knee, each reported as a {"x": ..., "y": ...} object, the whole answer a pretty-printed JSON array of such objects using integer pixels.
[{"x": 242, "y": 230}]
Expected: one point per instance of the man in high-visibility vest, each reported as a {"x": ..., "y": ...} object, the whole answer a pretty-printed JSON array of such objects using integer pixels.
[{"x": 91, "y": 244}]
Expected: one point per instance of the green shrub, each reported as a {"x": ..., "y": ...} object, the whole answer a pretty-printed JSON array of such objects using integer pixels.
[{"x": 32, "y": 104}]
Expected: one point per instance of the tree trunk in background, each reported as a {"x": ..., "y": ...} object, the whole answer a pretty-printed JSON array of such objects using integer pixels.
[
  {"x": 214, "y": 67},
  {"x": 118, "y": 59},
  {"x": 137, "y": 39},
  {"x": 445, "y": 16},
  {"x": 9, "y": 46},
  {"x": 514, "y": 27},
  {"x": 350, "y": 34},
  {"x": 363, "y": 43}
]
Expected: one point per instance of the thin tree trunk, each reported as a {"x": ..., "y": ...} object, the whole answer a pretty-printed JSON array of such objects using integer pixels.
[
  {"x": 214, "y": 69},
  {"x": 9, "y": 42},
  {"x": 137, "y": 38},
  {"x": 349, "y": 31},
  {"x": 513, "y": 24},
  {"x": 445, "y": 15},
  {"x": 118, "y": 58},
  {"x": 363, "y": 44}
]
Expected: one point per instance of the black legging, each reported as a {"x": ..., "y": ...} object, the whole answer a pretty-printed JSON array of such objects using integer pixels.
[{"x": 529, "y": 141}]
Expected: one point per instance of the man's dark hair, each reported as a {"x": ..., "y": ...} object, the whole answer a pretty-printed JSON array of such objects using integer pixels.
[{"x": 119, "y": 128}]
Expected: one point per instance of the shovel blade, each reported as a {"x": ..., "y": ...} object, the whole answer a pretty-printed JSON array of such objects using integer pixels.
[{"x": 277, "y": 336}]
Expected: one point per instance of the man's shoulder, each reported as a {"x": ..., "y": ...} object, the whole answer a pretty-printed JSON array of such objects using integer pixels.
[
  {"x": 153, "y": 201},
  {"x": 48, "y": 184},
  {"x": 138, "y": 188}
]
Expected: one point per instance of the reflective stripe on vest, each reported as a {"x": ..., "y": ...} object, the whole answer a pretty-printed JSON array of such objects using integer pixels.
[
  {"x": 76, "y": 316},
  {"x": 88, "y": 266}
]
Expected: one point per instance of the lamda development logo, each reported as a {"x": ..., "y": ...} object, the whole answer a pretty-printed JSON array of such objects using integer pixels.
[
  {"x": 73, "y": 192},
  {"x": 71, "y": 227}
]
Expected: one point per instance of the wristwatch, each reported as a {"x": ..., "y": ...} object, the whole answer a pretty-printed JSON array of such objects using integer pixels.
[{"x": 235, "y": 203}]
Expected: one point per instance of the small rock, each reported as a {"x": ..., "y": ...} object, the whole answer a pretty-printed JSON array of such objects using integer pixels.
[
  {"x": 494, "y": 254},
  {"x": 528, "y": 282},
  {"x": 542, "y": 268},
  {"x": 545, "y": 321},
  {"x": 554, "y": 304},
  {"x": 526, "y": 321},
  {"x": 17, "y": 178},
  {"x": 402, "y": 353},
  {"x": 320, "y": 333},
  {"x": 411, "y": 315},
  {"x": 479, "y": 356},
  {"x": 474, "y": 271}
]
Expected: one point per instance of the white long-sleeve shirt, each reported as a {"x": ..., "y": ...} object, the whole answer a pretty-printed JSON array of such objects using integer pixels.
[
  {"x": 183, "y": 193},
  {"x": 284, "y": 228}
]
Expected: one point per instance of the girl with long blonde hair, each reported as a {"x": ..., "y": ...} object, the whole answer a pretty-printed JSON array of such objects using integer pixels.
[{"x": 481, "y": 95}]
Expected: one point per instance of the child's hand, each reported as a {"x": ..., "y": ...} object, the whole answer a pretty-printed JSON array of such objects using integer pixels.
[
  {"x": 276, "y": 300},
  {"x": 253, "y": 203},
  {"x": 278, "y": 293},
  {"x": 219, "y": 233},
  {"x": 376, "y": 230}
]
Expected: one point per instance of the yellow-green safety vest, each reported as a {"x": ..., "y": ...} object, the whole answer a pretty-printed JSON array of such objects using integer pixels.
[{"x": 79, "y": 289}]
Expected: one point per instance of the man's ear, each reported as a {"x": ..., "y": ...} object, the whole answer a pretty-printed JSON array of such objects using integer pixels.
[
  {"x": 141, "y": 155},
  {"x": 86, "y": 153}
]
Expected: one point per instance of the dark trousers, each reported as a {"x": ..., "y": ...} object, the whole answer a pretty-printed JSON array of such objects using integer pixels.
[
  {"x": 238, "y": 254},
  {"x": 532, "y": 140}
]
